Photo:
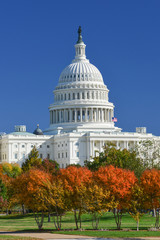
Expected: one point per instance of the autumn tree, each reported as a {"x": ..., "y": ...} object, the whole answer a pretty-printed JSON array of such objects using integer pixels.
[
  {"x": 118, "y": 182},
  {"x": 11, "y": 169},
  {"x": 49, "y": 166},
  {"x": 121, "y": 158},
  {"x": 33, "y": 160},
  {"x": 75, "y": 181},
  {"x": 30, "y": 189},
  {"x": 150, "y": 182},
  {"x": 95, "y": 201},
  {"x": 136, "y": 203},
  {"x": 55, "y": 198}
]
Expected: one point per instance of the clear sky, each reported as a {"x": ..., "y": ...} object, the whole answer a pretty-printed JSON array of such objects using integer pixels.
[{"x": 37, "y": 40}]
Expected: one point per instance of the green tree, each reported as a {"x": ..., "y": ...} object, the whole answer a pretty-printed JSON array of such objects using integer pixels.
[
  {"x": 121, "y": 158},
  {"x": 149, "y": 152},
  {"x": 11, "y": 169},
  {"x": 33, "y": 160}
]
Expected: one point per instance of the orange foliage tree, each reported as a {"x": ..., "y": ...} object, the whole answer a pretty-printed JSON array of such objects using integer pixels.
[
  {"x": 75, "y": 182},
  {"x": 150, "y": 182},
  {"x": 30, "y": 189},
  {"x": 119, "y": 183}
]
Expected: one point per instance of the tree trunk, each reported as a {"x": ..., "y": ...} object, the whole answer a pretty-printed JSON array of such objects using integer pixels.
[
  {"x": 157, "y": 219},
  {"x": 138, "y": 225},
  {"x": 118, "y": 217},
  {"x": 49, "y": 217},
  {"x": 39, "y": 220}
]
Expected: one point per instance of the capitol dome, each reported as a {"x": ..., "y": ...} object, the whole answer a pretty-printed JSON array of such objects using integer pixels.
[
  {"x": 81, "y": 97},
  {"x": 80, "y": 71}
]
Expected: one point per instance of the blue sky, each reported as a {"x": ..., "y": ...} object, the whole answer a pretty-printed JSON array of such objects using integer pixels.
[{"x": 37, "y": 42}]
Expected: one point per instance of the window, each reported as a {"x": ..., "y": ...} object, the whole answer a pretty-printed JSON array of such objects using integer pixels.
[
  {"x": 58, "y": 155},
  {"x": 83, "y": 95},
  {"x": 73, "y": 95},
  {"x": 41, "y": 156},
  {"x": 77, "y": 95},
  {"x": 62, "y": 145},
  {"x": 62, "y": 155},
  {"x": 77, "y": 154},
  {"x": 15, "y": 145},
  {"x": 62, "y": 165},
  {"x": 47, "y": 146},
  {"x": 15, "y": 155},
  {"x": 66, "y": 154},
  {"x": 23, "y": 146},
  {"x": 48, "y": 156},
  {"x": 66, "y": 144},
  {"x": 40, "y": 146},
  {"x": 69, "y": 96},
  {"x": 32, "y": 146},
  {"x": 77, "y": 143}
]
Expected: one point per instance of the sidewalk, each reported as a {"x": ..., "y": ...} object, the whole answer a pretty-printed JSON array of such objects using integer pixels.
[{"x": 45, "y": 236}]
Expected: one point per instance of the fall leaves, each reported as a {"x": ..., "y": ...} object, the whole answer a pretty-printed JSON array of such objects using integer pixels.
[{"x": 78, "y": 189}]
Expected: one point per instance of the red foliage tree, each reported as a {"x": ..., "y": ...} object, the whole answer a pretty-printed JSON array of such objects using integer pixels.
[
  {"x": 119, "y": 183},
  {"x": 150, "y": 182}
]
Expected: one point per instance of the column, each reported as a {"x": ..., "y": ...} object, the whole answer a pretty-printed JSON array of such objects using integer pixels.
[
  {"x": 56, "y": 117},
  {"x": 91, "y": 114},
  {"x": 70, "y": 115},
  {"x": 86, "y": 115},
  {"x": 92, "y": 148},
  {"x": 99, "y": 112},
  {"x": 60, "y": 116},
  {"x": 80, "y": 114},
  {"x": 97, "y": 115},
  {"x": 102, "y": 112},
  {"x": 64, "y": 115},
  {"x": 75, "y": 115}
]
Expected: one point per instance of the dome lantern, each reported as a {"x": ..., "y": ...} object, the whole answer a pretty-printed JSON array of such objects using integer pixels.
[{"x": 80, "y": 48}]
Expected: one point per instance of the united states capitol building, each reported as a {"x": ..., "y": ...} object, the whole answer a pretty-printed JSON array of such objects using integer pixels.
[{"x": 81, "y": 120}]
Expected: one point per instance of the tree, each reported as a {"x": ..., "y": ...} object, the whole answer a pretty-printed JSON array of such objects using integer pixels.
[
  {"x": 95, "y": 202},
  {"x": 149, "y": 152},
  {"x": 30, "y": 189},
  {"x": 55, "y": 199},
  {"x": 119, "y": 183},
  {"x": 75, "y": 181},
  {"x": 49, "y": 166},
  {"x": 150, "y": 182},
  {"x": 136, "y": 203},
  {"x": 33, "y": 160},
  {"x": 121, "y": 158},
  {"x": 11, "y": 169}
]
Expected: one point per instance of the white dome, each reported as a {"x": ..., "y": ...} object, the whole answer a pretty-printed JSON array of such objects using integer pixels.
[{"x": 80, "y": 71}]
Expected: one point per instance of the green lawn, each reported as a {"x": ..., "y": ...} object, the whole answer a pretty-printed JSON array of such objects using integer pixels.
[
  {"x": 7, "y": 237},
  {"x": 107, "y": 223}
]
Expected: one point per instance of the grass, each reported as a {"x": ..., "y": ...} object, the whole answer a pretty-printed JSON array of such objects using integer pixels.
[
  {"x": 7, "y": 237},
  {"x": 107, "y": 222}
]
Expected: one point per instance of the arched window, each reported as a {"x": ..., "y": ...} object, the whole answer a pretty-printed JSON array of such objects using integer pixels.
[
  {"x": 82, "y": 95},
  {"x": 69, "y": 97},
  {"x": 73, "y": 96},
  {"x": 87, "y": 95},
  {"x": 78, "y": 96}
]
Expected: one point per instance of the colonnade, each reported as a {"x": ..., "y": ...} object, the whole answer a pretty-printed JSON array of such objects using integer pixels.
[{"x": 81, "y": 115}]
